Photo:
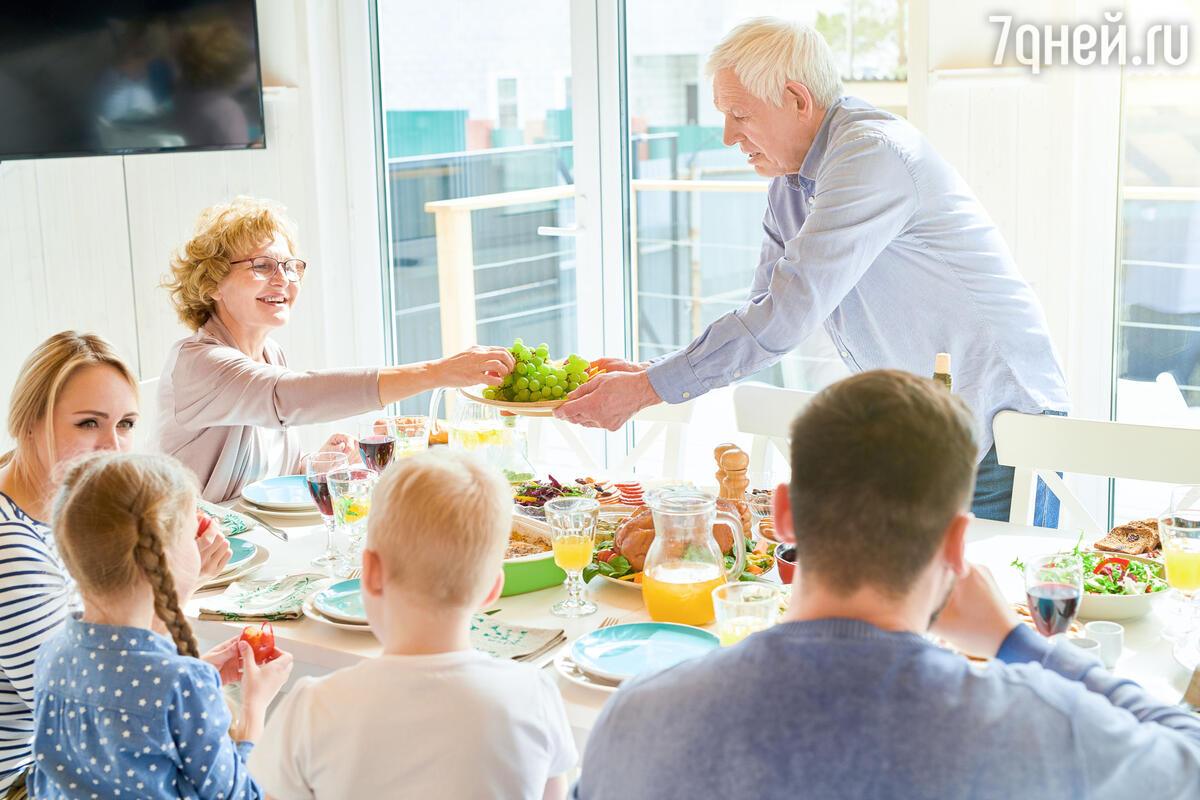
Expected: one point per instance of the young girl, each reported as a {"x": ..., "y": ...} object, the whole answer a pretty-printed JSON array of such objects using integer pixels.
[{"x": 119, "y": 710}]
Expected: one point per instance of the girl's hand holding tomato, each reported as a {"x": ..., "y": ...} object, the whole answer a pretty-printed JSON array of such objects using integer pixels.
[
  {"x": 214, "y": 548},
  {"x": 261, "y": 641}
]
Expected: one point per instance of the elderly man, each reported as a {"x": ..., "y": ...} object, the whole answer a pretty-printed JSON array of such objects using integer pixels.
[
  {"x": 846, "y": 698},
  {"x": 867, "y": 232}
]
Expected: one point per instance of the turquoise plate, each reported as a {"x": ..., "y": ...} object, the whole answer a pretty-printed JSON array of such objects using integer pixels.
[
  {"x": 241, "y": 551},
  {"x": 342, "y": 602},
  {"x": 622, "y": 651},
  {"x": 285, "y": 493}
]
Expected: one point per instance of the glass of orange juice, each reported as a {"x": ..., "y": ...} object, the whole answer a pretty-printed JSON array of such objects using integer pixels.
[
  {"x": 743, "y": 608},
  {"x": 1179, "y": 530},
  {"x": 573, "y": 525}
]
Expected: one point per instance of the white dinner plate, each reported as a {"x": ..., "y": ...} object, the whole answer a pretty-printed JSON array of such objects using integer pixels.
[
  {"x": 312, "y": 613},
  {"x": 306, "y": 515},
  {"x": 261, "y": 554},
  {"x": 285, "y": 493},
  {"x": 569, "y": 670}
]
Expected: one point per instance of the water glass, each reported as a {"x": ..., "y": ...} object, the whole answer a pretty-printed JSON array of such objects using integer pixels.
[
  {"x": 316, "y": 473},
  {"x": 1053, "y": 589},
  {"x": 376, "y": 444},
  {"x": 351, "y": 489},
  {"x": 573, "y": 525},
  {"x": 1111, "y": 636},
  {"x": 411, "y": 434},
  {"x": 743, "y": 608}
]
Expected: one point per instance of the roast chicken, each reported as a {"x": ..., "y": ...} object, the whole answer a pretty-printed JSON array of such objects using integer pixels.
[{"x": 634, "y": 537}]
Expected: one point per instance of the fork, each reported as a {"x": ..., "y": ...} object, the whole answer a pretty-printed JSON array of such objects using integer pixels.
[
  {"x": 355, "y": 573},
  {"x": 608, "y": 622}
]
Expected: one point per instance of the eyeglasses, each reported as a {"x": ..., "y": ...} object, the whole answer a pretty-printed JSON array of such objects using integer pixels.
[{"x": 265, "y": 267}]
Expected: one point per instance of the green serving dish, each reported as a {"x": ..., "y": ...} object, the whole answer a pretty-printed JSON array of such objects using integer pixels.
[{"x": 533, "y": 572}]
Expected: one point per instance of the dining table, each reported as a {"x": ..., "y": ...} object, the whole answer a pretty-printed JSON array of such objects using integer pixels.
[{"x": 319, "y": 648}]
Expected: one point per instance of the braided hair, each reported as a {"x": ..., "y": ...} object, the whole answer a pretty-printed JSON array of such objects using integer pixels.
[{"x": 114, "y": 519}]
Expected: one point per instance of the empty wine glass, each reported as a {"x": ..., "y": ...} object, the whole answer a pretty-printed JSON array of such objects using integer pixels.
[
  {"x": 573, "y": 524},
  {"x": 316, "y": 473}
]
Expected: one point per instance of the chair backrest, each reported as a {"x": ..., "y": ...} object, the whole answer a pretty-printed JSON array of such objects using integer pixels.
[
  {"x": 147, "y": 426},
  {"x": 1042, "y": 445},
  {"x": 766, "y": 412},
  {"x": 669, "y": 421}
]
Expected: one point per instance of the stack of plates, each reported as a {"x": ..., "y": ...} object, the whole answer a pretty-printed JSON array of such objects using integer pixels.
[
  {"x": 605, "y": 657},
  {"x": 339, "y": 605},
  {"x": 286, "y": 497},
  {"x": 246, "y": 557}
]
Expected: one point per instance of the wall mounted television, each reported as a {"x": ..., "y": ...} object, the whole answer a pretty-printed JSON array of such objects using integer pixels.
[{"x": 113, "y": 78}]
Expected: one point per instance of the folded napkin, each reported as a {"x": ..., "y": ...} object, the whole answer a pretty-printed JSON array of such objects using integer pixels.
[
  {"x": 497, "y": 639},
  {"x": 233, "y": 522},
  {"x": 261, "y": 600}
]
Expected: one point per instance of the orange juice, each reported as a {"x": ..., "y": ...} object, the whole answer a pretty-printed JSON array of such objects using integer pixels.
[
  {"x": 681, "y": 591},
  {"x": 1182, "y": 566},
  {"x": 573, "y": 552},
  {"x": 732, "y": 631}
]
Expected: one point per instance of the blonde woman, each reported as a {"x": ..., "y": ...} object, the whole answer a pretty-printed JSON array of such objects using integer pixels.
[
  {"x": 74, "y": 396},
  {"x": 227, "y": 399}
]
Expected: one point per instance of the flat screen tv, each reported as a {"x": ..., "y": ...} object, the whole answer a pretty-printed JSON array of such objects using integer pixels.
[{"x": 108, "y": 77}]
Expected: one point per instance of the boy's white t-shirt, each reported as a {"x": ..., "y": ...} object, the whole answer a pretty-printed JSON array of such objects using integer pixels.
[{"x": 452, "y": 725}]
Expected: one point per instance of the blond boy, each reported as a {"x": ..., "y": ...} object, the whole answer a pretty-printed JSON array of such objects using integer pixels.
[{"x": 430, "y": 717}]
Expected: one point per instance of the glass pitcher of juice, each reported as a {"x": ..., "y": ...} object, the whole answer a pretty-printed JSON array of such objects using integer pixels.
[
  {"x": 685, "y": 563},
  {"x": 473, "y": 426}
]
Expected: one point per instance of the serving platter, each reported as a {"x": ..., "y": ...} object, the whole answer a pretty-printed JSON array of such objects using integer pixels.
[{"x": 539, "y": 408}]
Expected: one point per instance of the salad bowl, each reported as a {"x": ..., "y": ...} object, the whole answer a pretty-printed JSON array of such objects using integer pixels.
[{"x": 1099, "y": 601}]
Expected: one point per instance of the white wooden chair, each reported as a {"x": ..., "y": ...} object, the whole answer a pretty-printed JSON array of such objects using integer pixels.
[
  {"x": 667, "y": 421},
  {"x": 146, "y": 432},
  {"x": 1042, "y": 445},
  {"x": 766, "y": 412}
]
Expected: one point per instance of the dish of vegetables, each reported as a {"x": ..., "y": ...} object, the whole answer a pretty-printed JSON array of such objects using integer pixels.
[{"x": 1110, "y": 573}]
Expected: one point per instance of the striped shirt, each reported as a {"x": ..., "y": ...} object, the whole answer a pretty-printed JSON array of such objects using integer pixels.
[{"x": 35, "y": 597}]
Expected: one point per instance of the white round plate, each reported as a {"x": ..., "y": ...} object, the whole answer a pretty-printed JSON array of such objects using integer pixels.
[
  {"x": 568, "y": 669},
  {"x": 540, "y": 408},
  {"x": 309, "y": 515},
  {"x": 284, "y": 493},
  {"x": 311, "y": 612},
  {"x": 240, "y": 571}
]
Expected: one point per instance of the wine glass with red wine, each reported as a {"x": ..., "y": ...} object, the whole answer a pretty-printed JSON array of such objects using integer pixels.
[
  {"x": 376, "y": 444},
  {"x": 1053, "y": 589},
  {"x": 316, "y": 473}
]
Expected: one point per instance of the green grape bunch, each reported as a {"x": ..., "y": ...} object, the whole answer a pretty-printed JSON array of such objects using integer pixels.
[{"x": 536, "y": 377}]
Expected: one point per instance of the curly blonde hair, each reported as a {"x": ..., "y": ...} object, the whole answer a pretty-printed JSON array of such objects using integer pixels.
[{"x": 224, "y": 233}]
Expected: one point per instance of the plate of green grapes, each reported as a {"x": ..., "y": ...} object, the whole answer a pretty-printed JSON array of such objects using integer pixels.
[{"x": 538, "y": 384}]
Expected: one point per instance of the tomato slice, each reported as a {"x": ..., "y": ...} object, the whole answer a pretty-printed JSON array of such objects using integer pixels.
[
  {"x": 261, "y": 641},
  {"x": 1123, "y": 563}
]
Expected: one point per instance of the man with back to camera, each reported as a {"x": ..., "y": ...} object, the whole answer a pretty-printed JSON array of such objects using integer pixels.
[
  {"x": 869, "y": 232},
  {"x": 846, "y": 698}
]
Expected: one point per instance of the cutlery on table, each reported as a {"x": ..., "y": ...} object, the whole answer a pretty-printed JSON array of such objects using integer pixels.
[{"x": 271, "y": 529}]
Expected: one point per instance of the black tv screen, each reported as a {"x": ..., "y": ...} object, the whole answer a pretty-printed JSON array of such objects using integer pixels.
[{"x": 112, "y": 78}]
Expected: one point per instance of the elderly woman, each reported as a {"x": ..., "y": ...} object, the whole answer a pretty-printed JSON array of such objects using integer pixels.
[
  {"x": 74, "y": 396},
  {"x": 227, "y": 399}
]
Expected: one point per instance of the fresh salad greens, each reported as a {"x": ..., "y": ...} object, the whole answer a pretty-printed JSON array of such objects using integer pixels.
[
  {"x": 1113, "y": 573},
  {"x": 607, "y": 563}
]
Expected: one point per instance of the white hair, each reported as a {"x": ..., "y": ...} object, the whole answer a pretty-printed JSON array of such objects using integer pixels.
[{"x": 767, "y": 52}]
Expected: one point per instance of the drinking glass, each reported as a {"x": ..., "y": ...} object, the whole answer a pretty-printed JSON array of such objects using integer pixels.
[
  {"x": 316, "y": 472},
  {"x": 1053, "y": 588},
  {"x": 411, "y": 434},
  {"x": 350, "y": 487},
  {"x": 1179, "y": 530},
  {"x": 743, "y": 608},
  {"x": 376, "y": 444},
  {"x": 573, "y": 525}
]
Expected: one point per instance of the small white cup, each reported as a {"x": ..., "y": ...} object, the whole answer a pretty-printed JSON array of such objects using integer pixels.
[
  {"x": 1089, "y": 646},
  {"x": 1111, "y": 636}
]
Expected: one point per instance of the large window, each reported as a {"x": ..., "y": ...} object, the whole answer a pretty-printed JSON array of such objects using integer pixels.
[{"x": 1158, "y": 302}]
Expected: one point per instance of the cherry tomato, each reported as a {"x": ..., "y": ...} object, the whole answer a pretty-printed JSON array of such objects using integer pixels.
[
  {"x": 261, "y": 641},
  {"x": 203, "y": 521},
  {"x": 605, "y": 555}
]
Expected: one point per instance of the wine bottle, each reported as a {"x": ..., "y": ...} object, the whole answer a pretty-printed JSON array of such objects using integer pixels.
[{"x": 941, "y": 369}]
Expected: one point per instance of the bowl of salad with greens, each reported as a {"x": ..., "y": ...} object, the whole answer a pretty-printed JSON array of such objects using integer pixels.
[{"x": 1117, "y": 586}]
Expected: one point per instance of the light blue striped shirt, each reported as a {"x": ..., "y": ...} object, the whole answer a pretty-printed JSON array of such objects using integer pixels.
[
  {"x": 882, "y": 242},
  {"x": 35, "y": 598}
]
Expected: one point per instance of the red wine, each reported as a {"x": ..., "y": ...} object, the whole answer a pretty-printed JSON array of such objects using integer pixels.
[
  {"x": 318, "y": 487},
  {"x": 377, "y": 451},
  {"x": 1052, "y": 606}
]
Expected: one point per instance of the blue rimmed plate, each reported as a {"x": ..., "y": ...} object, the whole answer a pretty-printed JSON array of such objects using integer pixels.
[
  {"x": 342, "y": 602},
  {"x": 285, "y": 493},
  {"x": 241, "y": 552},
  {"x": 622, "y": 651}
]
